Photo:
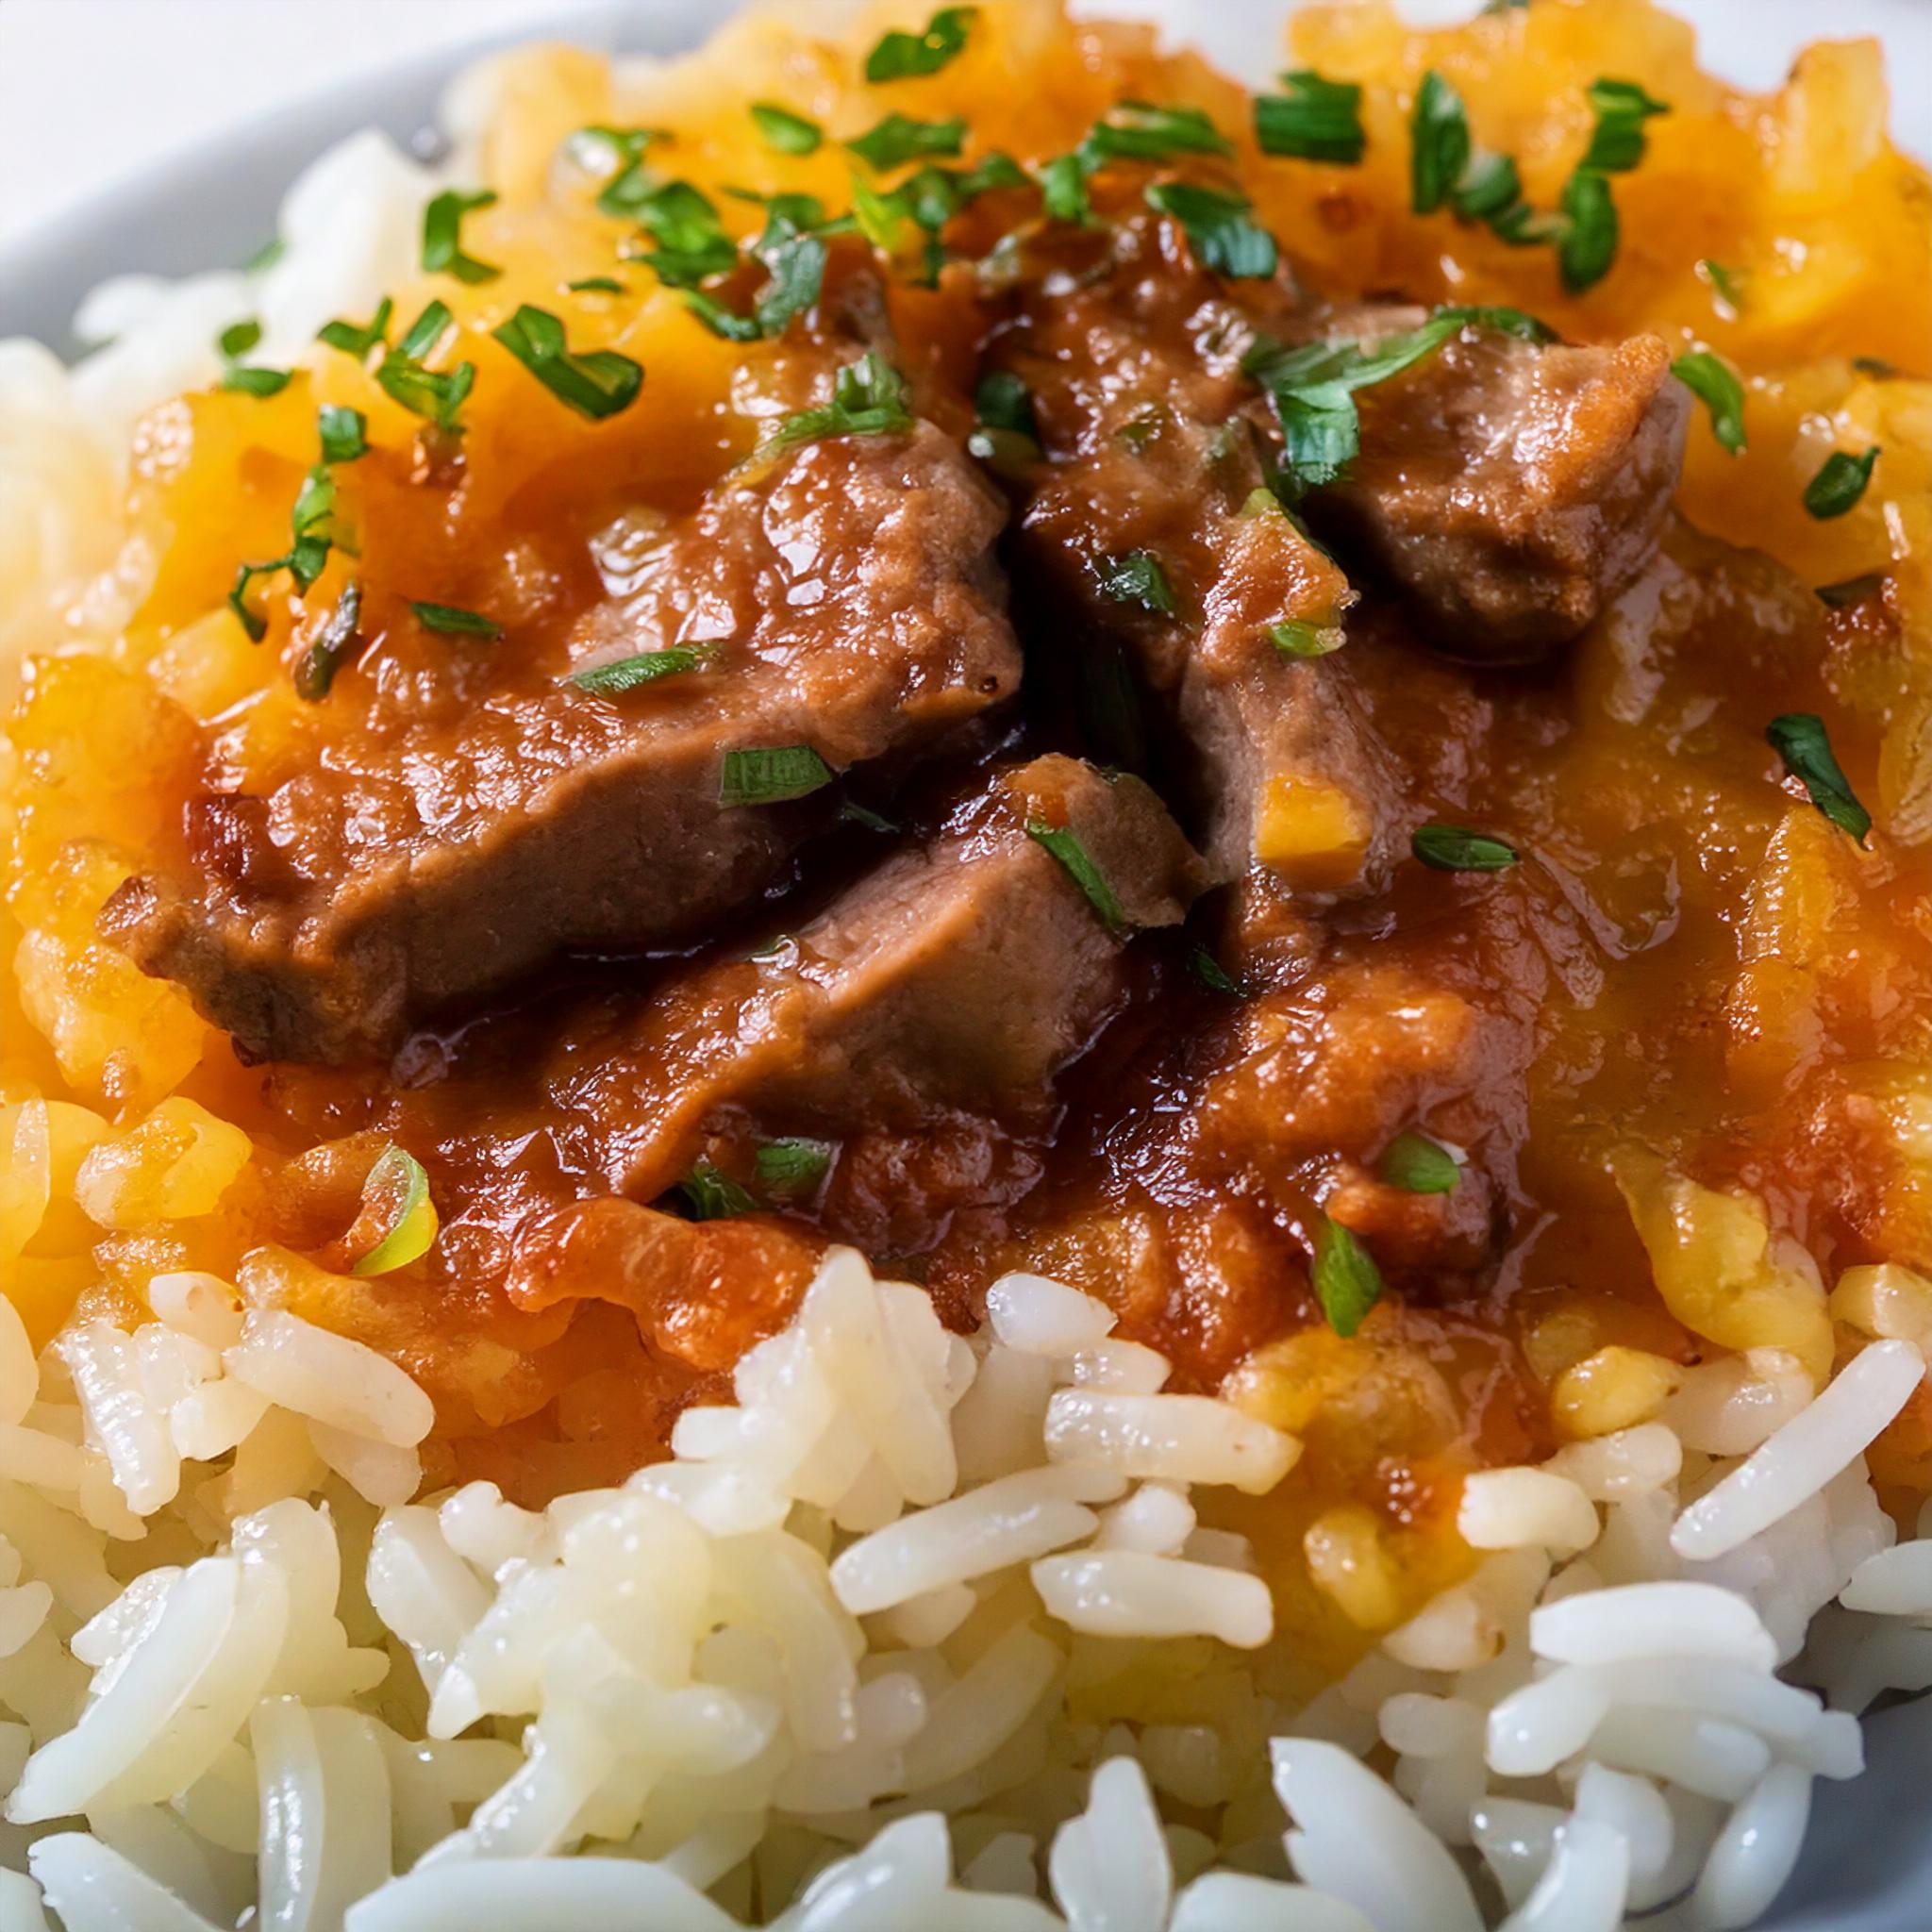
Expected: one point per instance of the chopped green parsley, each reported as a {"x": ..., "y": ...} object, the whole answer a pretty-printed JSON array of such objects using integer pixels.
[{"x": 1799, "y": 739}]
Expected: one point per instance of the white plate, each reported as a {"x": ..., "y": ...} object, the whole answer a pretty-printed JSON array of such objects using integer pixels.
[{"x": 1868, "y": 1863}]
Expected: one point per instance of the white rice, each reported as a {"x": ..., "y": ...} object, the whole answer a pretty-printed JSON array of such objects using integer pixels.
[
  {"x": 703, "y": 1671},
  {"x": 1186, "y": 1438},
  {"x": 873, "y": 1649},
  {"x": 1795, "y": 1464},
  {"x": 1511, "y": 1509}
]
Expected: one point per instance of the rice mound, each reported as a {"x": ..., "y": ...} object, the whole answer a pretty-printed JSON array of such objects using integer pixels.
[
  {"x": 923, "y": 1631},
  {"x": 865, "y": 1651}
]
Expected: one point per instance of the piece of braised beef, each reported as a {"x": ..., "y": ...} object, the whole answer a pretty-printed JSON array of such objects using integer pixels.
[
  {"x": 1510, "y": 488},
  {"x": 848, "y": 600},
  {"x": 914, "y": 1027}
]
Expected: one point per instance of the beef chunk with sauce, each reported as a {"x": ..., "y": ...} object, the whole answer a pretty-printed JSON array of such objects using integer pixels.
[
  {"x": 1285, "y": 786},
  {"x": 956, "y": 978},
  {"x": 1148, "y": 527},
  {"x": 1510, "y": 488},
  {"x": 447, "y": 842},
  {"x": 919, "y": 1023}
]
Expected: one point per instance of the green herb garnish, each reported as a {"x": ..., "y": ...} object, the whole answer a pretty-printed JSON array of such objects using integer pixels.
[
  {"x": 1419, "y": 1165},
  {"x": 797, "y": 269},
  {"x": 868, "y": 399},
  {"x": 1523, "y": 227},
  {"x": 1139, "y": 578},
  {"x": 1799, "y": 739},
  {"x": 1445, "y": 168},
  {"x": 794, "y": 1165},
  {"x": 1489, "y": 190},
  {"x": 1456, "y": 848},
  {"x": 237, "y": 339},
  {"x": 315, "y": 504},
  {"x": 1346, "y": 1279},
  {"x": 630, "y": 181},
  {"x": 1131, "y": 131},
  {"x": 1715, "y": 384},
  {"x": 789, "y": 133},
  {"x": 1617, "y": 140},
  {"x": 1840, "y": 483},
  {"x": 402, "y": 377},
  {"x": 691, "y": 241},
  {"x": 897, "y": 140},
  {"x": 643, "y": 667},
  {"x": 1218, "y": 228},
  {"x": 901, "y": 55},
  {"x": 721, "y": 317},
  {"x": 596, "y": 285},
  {"x": 1212, "y": 973},
  {"x": 421, "y": 338},
  {"x": 991, "y": 171},
  {"x": 713, "y": 1195},
  {"x": 443, "y": 229},
  {"x": 323, "y": 656},
  {"x": 256, "y": 382},
  {"x": 1064, "y": 847},
  {"x": 454, "y": 621},
  {"x": 1311, "y": 119},
  {"x": 1439, "y": 147},
  {"x": 771, "y": 774},
  {"x": 1727, "y": 283},
  {"x": 304, "y": 559},
  {"x": 252, "y": 620},
  {"x": 356, "y": 339},
  {"x": 878, "y": 215},
  {"x": 788, "y": 212},
  {"x": 234, "y": 342},
  {"x": 1002, "y": 401},
  {"x": 1008, "y": 452},
  {"x": 1587, "y": 244},
  {"x": 345, "y": 433},
  {"x": 1298, "y": 638},
  {"x": 1509, "y": 321},
  {"x": 1063, "y": 190},
  {"x": 928, "y": 199},
  {"x": 1145, "y": 131},
  {"x": 398, "y": 1181},
  {"x": 594, "y": 382},
  {"x": 795, "y": 259}
]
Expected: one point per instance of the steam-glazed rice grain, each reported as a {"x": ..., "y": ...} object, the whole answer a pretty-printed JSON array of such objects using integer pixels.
[
  {"x": 1189, "y": 1438},
  {"x": 1652, "y": 1619},
  {"x": 1521, "y": 1509},
  {"x": 1803, "y": 1455},
  {"x": 1352, "y": 1836},
  {"x": 329, "y": 1379}
]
